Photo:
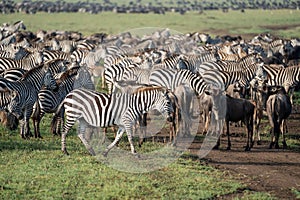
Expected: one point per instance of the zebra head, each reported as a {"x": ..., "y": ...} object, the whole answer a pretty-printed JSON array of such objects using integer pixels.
[
  {"x": 14, "y": 107},
  {"x": 164, "y": 103},
  {"x": 48, "y": 80}
]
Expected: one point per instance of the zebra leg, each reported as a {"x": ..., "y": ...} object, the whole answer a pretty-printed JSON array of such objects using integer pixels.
[
  {"x": 22, "y": 125},
  {"x": 66, "y": 129},
  {"x": 27, "y": 114},
  {"x": 130, "y": 140},
  {"x": 82, "y": 129},
  {"x": 117, "y": 138},
  {"x": 36, "y": 124}
]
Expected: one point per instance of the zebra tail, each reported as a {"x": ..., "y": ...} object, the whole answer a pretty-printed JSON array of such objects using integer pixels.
[{"x": 57, "y": 120}]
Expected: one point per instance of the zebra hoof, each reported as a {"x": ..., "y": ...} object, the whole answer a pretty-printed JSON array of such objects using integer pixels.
[
  {"x": 137, "y": 156},
  {"x": 104, "y": 154},
  {"x": 92, "y": 152},
  {"x": 65, "y": 152}
]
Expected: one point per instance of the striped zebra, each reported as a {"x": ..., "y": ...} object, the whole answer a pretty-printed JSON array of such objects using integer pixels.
[
  {"x": 241, "y": 64},
  {"x": 86, "y": 45},
  {"x": 244, "y": 76},
  {"x": 49, "y": 100},
  {"x": 25, "y": 93},
  {"x": 9, "y": 39},
  {"x": 288, "y": 77},
  {"x": 192, "y": 62},
  {"x": 96, "y": 109},
  {"x": 170, "y": 62},
  {"x": 12, "y": 28},
  {"x": 116, "y": 73},
  {"x": 173, "y": 79},
  {"x": 13, "y": 74},
  {"x": 224, "y": 78},
  {"x": 55, "y": 54},
  {"x": 78, "y": 55},
  {"x": 31, "y": 61}
]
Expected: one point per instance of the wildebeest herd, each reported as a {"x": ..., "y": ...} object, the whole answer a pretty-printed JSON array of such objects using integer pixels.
[
  {"x": 233, "y": 79},
  {"x": 139, "y": 6}
]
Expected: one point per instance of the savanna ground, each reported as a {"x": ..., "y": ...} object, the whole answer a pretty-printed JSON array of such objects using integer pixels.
[
  {"x": 36, "y": 169},
  {"x": 276, "y": 171}
]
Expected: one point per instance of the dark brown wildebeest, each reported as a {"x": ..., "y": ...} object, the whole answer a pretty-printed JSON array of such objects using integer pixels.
[
  {"x": 239, "y": 109},
  {"x": 279, "y": 107}
]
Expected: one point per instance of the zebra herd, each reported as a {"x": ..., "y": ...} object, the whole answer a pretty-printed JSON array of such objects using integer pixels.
[{"x": 55, "y": 73}]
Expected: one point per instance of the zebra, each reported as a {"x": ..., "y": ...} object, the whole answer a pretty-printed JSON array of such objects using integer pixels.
[
  {"x": 244, "y": 76},
  {"x": 192, "y": 62},
  {"x": 13, "y": 74},
  {"x": 86, "y": 45},
  {"x": 172, "y": 79},
  {"x": 288, "y": 77},
  {"x": 10, "y": 39},
  {"x": 241, "y": 64},
  {"x": 31, "y": 61},
  {"x": 13, "y": 28},
  {"x": 78, "y": 55},
  {"x": 97, "y": 109},
  {"x": 170, "y": 62},
  {"x": 115, "y": 73},
  {"x": 24, "y": 94},
  {"x": 55, "y": 54},
  {"x": 49, "y": 100}
]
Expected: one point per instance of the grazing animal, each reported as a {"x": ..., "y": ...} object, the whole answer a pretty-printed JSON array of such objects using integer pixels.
[
  {"x": 279, "y": 107},
  {"x": 239, "y": 109},
  {"x": 96, "y": 109},
  {"x": 24, "y": 93}
]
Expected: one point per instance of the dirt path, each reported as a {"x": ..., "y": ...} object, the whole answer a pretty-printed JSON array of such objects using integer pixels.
[
  {"x": 262, "y": 170},
  {"x": 272, "y": 171}
]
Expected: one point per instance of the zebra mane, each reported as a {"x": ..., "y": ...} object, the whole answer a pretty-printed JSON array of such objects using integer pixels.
[
  {"x": 252, "y": 55},
  {"x": 32, "y": 71},
  {"x": 149, "y": 88}
]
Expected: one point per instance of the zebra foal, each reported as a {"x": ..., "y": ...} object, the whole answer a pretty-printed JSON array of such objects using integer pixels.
[{"x": 95, "y": 109}]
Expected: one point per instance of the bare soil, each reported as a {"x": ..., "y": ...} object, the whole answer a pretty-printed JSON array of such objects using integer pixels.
[{"x": 275, "y": 171}]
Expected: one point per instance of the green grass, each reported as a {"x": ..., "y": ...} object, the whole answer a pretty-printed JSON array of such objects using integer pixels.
[
  {"x": 36, "y": 169},
  {"x": 234, "y": 22}
]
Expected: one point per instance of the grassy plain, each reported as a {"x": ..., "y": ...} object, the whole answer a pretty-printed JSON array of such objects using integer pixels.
[
  {"x": 36, "y": 169},
  {"x": 284, "y": 23}
]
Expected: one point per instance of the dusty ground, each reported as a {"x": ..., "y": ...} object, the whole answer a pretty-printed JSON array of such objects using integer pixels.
[{"x": 262, "y": 169}]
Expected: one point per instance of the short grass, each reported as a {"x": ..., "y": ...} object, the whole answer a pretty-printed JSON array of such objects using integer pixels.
[
  {"x": 213, "y": 22},
  {"x": 37, "y": 169}
]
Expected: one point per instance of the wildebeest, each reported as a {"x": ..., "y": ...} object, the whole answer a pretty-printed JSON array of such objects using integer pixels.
[
  {"x": 239, "y": 109},
  {"x": 279, "y": 107}
]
